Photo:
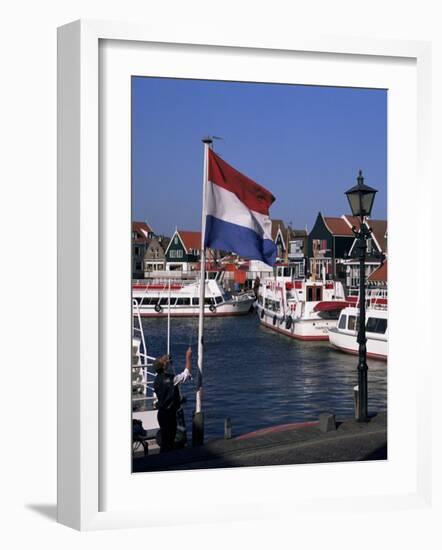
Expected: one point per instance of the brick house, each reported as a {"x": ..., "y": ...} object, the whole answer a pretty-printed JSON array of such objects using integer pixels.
[
  {"x": 141, "y": 236},
  {"x": 155, "y": 256}
]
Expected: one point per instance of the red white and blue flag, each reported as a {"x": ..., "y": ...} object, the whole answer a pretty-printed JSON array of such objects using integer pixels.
[{"x": 237, "y": 213}]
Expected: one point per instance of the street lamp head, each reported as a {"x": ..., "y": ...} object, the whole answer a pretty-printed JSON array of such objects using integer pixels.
[{"x": 361, "y": 198}]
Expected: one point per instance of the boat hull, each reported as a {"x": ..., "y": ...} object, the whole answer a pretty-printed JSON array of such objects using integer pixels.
[
  {"x": 225, "y": 310},
  {"x": 376, "y": 348},
  {"x": 301, "y": 329}
]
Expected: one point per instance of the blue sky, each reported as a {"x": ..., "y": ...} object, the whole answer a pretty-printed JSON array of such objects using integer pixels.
[{"x": 303, "y": 143}]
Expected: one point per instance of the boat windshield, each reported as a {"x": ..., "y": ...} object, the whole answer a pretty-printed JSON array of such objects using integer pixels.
[{"x": 379, "y": 326}]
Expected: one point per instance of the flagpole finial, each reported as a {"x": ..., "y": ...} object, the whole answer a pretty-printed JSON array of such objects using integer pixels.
[{"x": 207, "y": 139}]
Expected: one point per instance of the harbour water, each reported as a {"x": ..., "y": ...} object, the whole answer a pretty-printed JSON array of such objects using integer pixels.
[{"x": 259, "y": 378}]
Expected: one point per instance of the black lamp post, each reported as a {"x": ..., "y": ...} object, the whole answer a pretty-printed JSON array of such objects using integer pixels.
[{"x": 361, "y": 198}]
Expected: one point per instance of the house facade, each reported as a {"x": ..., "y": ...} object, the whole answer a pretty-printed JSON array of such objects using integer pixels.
[
  {"x": 291, "y": 245},
  {"x": 329, "y": 244},
  {"x": 155, "y": 256},
  {"x": 377, "y": 250},
  {"x": 141, "y": 236},
  {"x": 280, "y": 238},
  {"x": 183, "y": 252}
]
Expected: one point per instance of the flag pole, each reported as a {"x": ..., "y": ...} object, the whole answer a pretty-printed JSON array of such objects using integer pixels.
[
  {"x": 168, "y": 321},
  {"x": 198, "y": 422}
]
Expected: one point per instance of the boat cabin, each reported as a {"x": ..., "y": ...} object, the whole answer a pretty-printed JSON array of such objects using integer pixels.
[
  {"x": 349, "y": 320},
  {"x": 290, "y": 270}
]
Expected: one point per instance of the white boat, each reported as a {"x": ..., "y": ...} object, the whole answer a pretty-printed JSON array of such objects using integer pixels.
[
  {"x": 301, "y": 309},
  {"x": 344, "y": 335},
  {"x": 153, "y": 298}
]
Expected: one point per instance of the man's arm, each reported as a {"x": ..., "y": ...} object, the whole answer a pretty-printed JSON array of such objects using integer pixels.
[{"x": 187, "y": 372}]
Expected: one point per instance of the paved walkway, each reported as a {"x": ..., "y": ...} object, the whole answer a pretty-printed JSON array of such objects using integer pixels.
[{"x": 295, "y": 445}]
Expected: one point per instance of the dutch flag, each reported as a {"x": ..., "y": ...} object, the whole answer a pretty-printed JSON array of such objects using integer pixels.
[{"x": 237, "y": 213}]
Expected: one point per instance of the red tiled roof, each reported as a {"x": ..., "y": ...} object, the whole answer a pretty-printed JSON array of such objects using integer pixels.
[
  {"x": 380, "y": 275},
  {"x": 338, "y": 227},
  {"x": 142, "y": 228},
  {"x": 191, "y": 239},
  {"x": 379, "y": 228},
  {"x": 353, "y": 220}
]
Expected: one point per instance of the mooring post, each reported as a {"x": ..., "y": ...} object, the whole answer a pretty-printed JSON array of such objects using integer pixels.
[
  {"x": 227, "y": 428},
  {"x": 356, "y": 401},
  {"x": 327, "y": 422},
  {"x": 197, "y": 429}
]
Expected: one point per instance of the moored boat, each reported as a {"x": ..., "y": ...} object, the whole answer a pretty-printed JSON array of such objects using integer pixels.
[
  {"x": 344, "y": 336},
  {"x": 303, "y": 309},
  {"x": 153, "y": 298}
]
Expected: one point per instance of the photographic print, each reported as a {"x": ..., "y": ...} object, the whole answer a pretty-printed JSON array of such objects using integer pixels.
[{"x": 259, "y": 274}]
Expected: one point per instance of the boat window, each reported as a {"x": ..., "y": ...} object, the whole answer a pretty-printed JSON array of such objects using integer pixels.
[
  {"x": 183, "y": 302},
  {"x": 286, "y": 272},
  {"x": 196, "y": 301},
  {"x": 343, "y": 321},
  {"x": 218, "y": 299},
  {"x": 378, "y": 326},
  {"x": 333, "y": 314},
  {"x": 208, "y": 301},
  {"x": 309, "y": 294},
  {"x": 260, "y": 299},
  {"x": 318, "y": 297},
  {"x": 164, "y": 301},
  {"x": 353, "y": 322}
]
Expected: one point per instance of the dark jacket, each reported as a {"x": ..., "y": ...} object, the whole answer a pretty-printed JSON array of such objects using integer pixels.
[{"x": 168, "y": 395}]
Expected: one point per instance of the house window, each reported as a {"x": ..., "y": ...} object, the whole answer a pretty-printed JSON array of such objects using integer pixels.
[
  {"x": 138, "y": 266},
  {"x": 137, "y": 251},
  {"x": 179, "y": 253},
  {"x": 173, "y": 253},
  {"x": 296, "y": 248}
]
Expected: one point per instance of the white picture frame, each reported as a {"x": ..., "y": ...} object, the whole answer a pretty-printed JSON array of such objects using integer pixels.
[{"x": 81, "y": 448}]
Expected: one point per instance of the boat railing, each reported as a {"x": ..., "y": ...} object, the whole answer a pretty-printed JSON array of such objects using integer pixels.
[
  {"x": 375, "y": 298},
  {"x": 142, "y": 369}
]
